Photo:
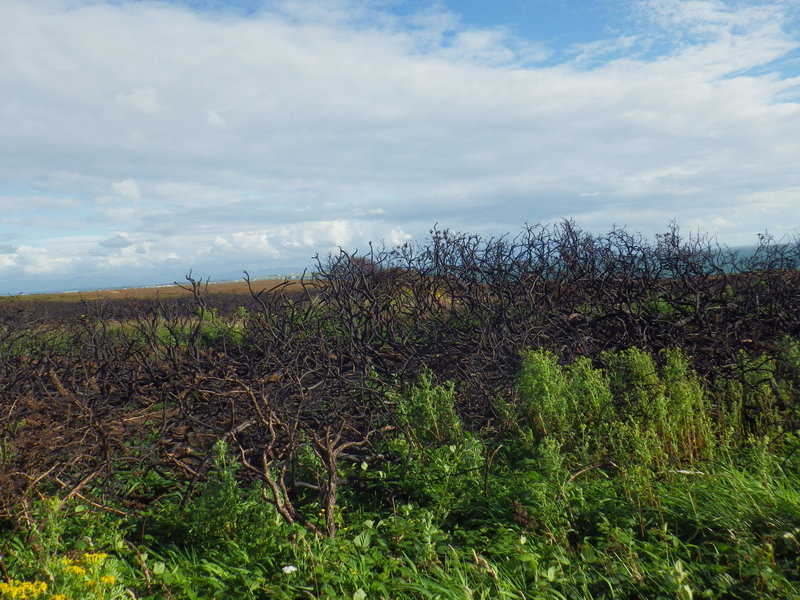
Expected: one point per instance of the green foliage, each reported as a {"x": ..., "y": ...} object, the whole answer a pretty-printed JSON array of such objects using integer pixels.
[
  {"x": 687, "y": 429},
  {"x": 223, "y": 514},
  {"x": 630, "y": 412},
  {"x": 427, "y": 414},
  {"x": 789, "y": 359},
  {"x": 35, "y": 342},
  {"x": 222, "y": 333},
  {"x": 546, "y": 407},
  {"x": 759, "y": 394},
  {"x": 438, "y": 460},
  {"x": 639, "y": 393}
]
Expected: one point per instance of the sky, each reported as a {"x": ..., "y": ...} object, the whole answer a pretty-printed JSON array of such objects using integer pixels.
[{"x": 140, "y": 140}]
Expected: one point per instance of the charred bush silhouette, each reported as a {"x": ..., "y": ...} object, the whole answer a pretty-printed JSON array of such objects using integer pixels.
[
  {"x": 465, "y": 306},
  {"x": 299, "y": 384}
]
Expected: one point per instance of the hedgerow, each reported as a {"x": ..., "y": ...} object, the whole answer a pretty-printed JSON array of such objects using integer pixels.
[{"x": 556, "y": 414}]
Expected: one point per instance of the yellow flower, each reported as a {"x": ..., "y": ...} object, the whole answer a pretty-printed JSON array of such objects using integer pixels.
[
  {"x": 58, "y": 597},
  {"x": 94, "y": 559},
  {"x": 75, "y": 570},
  {"x": 108, "y": 580},
  {"x": 24, "y": 590}
]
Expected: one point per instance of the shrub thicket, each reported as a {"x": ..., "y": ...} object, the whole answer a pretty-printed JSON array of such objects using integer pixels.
[{"x": 557, "y": 414}]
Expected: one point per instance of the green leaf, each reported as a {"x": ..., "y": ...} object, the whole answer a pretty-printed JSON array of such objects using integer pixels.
[{"x": 362, "y": 540}]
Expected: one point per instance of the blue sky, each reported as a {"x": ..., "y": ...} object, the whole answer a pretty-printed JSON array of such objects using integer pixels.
[
  {"x": 552, "y": 22},
  {"x": 141, "y": 139}
]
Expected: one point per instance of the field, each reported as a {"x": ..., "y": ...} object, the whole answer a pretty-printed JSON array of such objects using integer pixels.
[
  {"x": 233, "y": 288},
  {"x": 554, "y": 415}
]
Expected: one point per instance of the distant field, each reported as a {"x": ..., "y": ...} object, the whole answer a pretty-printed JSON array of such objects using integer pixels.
[{"x": 169, "y": 291}]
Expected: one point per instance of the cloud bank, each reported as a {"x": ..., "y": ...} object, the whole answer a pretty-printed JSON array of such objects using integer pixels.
[{"x": 141, "y": 139}]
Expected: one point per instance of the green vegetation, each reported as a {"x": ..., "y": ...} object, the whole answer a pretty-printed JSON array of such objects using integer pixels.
[{"x": 615, "y": 482}]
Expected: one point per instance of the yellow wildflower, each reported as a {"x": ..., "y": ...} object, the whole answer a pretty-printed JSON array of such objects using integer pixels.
[
  {"x": 58, "y": 597},
  {"x": 24, "y": 590},
  {"x": 75, "y": 570},
  {"x": 108, "y": 580},
  {"x": 94, "y": 559}
]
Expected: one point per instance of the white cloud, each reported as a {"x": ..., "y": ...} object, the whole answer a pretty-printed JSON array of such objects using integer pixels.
[
  {"x": 127, "y": 189},
  {"x": 135, "y": 256},
  {"x": 39, "y": 261},
  {"x": 397, "y": 237},
  {"x": 491, "y": 47},
  {"x": 119, "y": 240},
  {"x": 7, "y": 261},
  {"x": 221, "y": 243},
  {"x": 590, "y": 51},
  {"x": 143, "y": 100},
  {"x": 254, "y": 242},
  {"x": 214, "y": 119},
  {"x": 224, "y": 140}
]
